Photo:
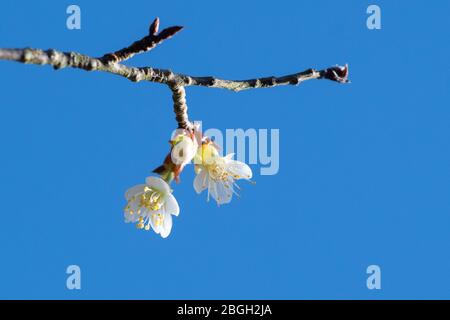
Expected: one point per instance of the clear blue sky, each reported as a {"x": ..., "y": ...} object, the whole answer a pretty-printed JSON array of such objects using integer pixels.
[{"x": 364, "y": 168}]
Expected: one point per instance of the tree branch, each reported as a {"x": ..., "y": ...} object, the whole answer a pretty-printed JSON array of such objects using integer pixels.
[
  {"x": 110, "y": 63},
  {"x": 60, "y": 60},
  {"x": 180, "y": 106},
  {"x": 145, "y": 44}
]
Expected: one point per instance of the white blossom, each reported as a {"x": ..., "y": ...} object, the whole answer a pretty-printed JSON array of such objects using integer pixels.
[
  {"x": 151, "y": 206},
  {"x": 218, "y": 174}
]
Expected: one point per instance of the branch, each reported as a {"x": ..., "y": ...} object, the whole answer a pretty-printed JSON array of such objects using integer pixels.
[
  {"x": 110, "y": 63},
  {"x": 180, "y": 107},
  {"x": 145, "y": 44},
  {"x": 60, "y": 60}
]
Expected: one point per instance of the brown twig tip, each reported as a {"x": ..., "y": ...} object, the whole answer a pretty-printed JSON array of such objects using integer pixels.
[
  {"x": 145, "y": 44},
  {"x": 169, "y": 32},
  {"x": 337, "y": 73},
  {"x": 154, "y": 27}
]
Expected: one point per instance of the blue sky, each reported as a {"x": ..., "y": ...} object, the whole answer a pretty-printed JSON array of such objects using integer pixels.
[{"x": 364, "y": 168}]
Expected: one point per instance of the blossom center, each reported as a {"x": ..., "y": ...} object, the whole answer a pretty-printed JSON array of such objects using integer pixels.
[
  {"x": 151, "y": 199},
  {"x": 218, "y": 172}
]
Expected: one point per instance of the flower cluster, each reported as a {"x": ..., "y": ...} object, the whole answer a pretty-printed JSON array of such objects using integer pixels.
[{"x": 151, "y": 205}]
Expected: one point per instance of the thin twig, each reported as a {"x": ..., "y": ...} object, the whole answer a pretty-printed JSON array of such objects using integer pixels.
[{"x": 145, "y": 44}]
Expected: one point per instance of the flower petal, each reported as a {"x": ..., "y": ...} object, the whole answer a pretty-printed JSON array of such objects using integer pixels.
[
  {"x": 213, "y": 190},
  {"x": 229, "y": 156},
  {"x": 209, "y": 154},
  {"x": 133, "y": 191},
  {"x": 239, "y": 170},
  {"x": 171, "y": 205},
  {"x": 130, "y": 217},
  {"x": 200, "y": 182},
  {"x": 224, "y": 193},
  {"x": 157, "y": 183},
  {"x": 166, "y": 226},
  {"x": 156, "y": 226},
  {"x": 183, "y": 151}
]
